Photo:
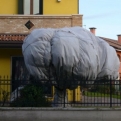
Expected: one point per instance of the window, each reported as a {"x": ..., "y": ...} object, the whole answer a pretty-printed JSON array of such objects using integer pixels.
[{"x": 30, "y": 6}]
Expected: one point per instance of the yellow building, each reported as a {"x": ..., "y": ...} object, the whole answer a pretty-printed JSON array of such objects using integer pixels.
[
  {"x": 11, "y": 59},
  {"x": 39, "y": 7},
  {"x": 8, "y": 6},
  {"x": 60, "y": 7}
]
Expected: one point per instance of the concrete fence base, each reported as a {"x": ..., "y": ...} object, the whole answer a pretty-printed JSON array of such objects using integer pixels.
[{"x": 60, "y": 114}]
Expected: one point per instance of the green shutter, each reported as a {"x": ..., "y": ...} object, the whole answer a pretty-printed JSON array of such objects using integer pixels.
[
  {"x": 40, "y": 6},
  {"x": 20, "y": 7}
]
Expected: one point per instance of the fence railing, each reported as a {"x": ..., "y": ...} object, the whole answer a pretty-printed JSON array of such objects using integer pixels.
[{"x": 40, "y": 93}]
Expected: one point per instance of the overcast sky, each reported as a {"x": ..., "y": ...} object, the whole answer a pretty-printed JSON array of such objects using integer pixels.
[{"x": 105, "y": 15}]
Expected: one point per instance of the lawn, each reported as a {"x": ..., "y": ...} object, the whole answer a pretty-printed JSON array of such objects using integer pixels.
[{"x": 97, "y": 94}]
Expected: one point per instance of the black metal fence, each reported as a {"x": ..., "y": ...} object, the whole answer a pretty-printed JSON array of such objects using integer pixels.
[{"x": 40, "y": 93}]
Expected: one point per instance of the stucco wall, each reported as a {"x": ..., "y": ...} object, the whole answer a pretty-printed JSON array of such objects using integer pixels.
[
  {"x": 16, "y": 23},
  {"x": 5, "y": 61},
  {"x": 8, "y": 6},
  {"x": 49, "y": 7},
  {"x": 62, "y": 7}
]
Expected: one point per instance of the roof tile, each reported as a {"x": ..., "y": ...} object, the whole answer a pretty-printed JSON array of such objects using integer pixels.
[
  {"x": 12, "y": 37},
  {"x": 112, "y": 42},
  {"x": 18, "y": 37}
]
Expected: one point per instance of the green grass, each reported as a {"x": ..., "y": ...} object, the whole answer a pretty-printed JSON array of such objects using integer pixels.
[{"x": 97, "y": 94}]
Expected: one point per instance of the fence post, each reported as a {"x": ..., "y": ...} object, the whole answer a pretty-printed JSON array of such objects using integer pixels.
[
  {"x": 110, "y": 93},
  {"x": 64, "y": 97}
]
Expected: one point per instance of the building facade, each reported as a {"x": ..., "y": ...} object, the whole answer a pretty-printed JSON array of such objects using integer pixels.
[
  {"x": 13, "y": 24},
  {"x": 44, "y": 7},
  {"x": 16, "y": 23},
  {"x": 13, "y": 31}
]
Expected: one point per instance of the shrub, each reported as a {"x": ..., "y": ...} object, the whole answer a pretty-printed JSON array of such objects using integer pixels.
[{"x": 31, "y": 96}]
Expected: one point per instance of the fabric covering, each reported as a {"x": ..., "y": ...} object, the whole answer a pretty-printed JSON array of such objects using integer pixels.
[{"x": 71, "y": 53}]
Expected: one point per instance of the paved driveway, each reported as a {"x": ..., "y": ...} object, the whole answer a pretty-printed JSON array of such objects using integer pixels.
[{"x": 98, "y": 101}]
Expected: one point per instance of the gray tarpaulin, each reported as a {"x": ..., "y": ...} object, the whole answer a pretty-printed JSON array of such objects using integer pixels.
[{"x": 68, "y": 50}]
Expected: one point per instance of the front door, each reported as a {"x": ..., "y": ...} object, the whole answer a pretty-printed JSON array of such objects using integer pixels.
[{"x": 19, "y": 71}]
